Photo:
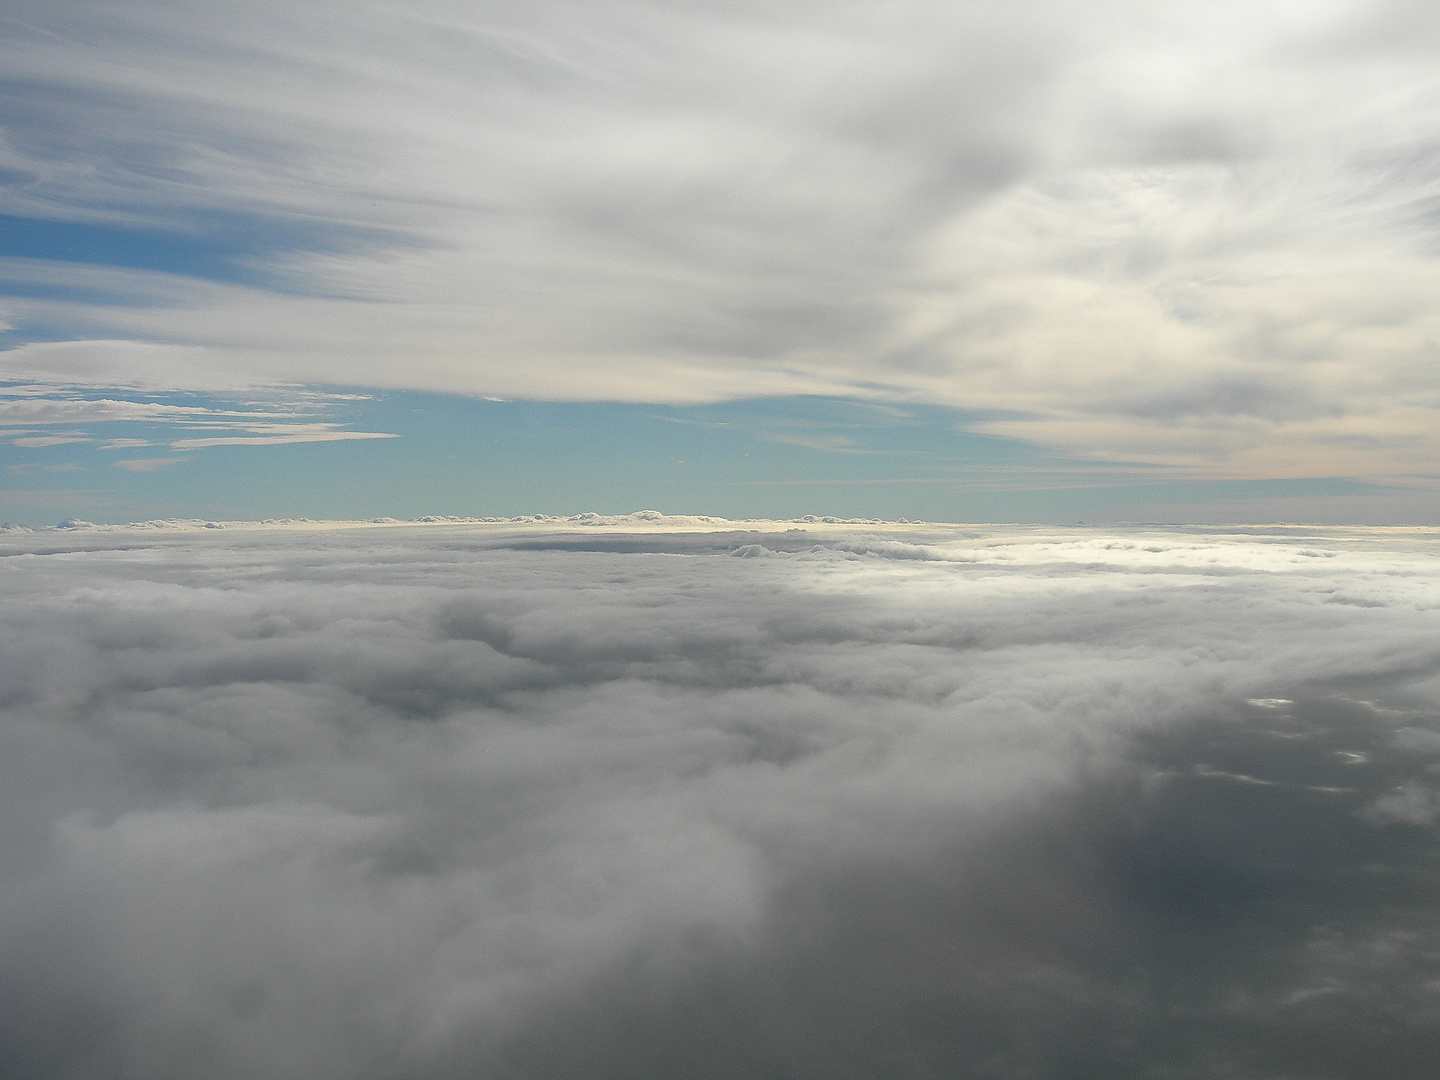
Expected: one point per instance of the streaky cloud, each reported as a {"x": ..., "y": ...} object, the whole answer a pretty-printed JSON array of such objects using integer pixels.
[{"x": 1189, "y": 236}]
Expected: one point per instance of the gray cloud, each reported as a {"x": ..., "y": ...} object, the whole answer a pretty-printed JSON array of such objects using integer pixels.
[
  {"x": 547, "y": 800},
  {"x": 1113, "y": 220}
]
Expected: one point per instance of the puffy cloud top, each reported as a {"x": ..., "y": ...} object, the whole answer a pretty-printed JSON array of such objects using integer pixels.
[{"x": 538, "y": 799}]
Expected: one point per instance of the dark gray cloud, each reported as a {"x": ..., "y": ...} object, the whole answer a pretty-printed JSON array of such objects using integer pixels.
[{"x": 520, "y": 801}]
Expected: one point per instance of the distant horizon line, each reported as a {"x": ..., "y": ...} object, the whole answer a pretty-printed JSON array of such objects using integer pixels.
[{"x": 659, "y": 521}]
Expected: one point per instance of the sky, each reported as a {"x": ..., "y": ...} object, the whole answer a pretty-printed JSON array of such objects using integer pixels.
[
  {"x": 732, "y": 540},
  {"x": 648, "y": 797},
  {"x": 1040, "y": 261}
]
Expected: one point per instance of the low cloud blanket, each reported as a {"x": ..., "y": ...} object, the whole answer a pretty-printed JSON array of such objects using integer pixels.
[{"x": 659, "y": 798}]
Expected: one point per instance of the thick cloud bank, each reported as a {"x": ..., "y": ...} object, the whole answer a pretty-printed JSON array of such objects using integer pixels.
[{"x": 840, "y": 801}]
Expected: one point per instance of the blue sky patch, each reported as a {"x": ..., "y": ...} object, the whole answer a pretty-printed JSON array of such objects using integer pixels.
[
  {"x": 231, "y": 248},
  {"x": 347, "y": 455}
]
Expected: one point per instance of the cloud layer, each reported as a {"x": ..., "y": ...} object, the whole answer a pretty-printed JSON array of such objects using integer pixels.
[
  {"x": 30, "y": 415},
  {"x": 653, "y": 798},
  {"x": 1198, "y": 235}
]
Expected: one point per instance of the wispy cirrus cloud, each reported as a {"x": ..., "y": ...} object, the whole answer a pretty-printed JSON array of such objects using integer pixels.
[
  {"x": 277, "y": 439},
  {"x": 233, "y": 423},
  {"x": 145, "y": 465},
  {"x": 1194, "y": 236},
  {"x": 36, "y": 441}
]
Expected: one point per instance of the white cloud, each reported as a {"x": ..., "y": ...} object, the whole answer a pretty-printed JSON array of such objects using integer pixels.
[
  {"x": 30, "y": 468},
  {"x": 585, "y": 797},
  {"x": 1410, "y": 804},
  {"x": 253, "y": 424},
  {"x": 1195, "y": 235},
  {"x": 39, "y": 410},
  {"x": 275, "y": 440},
  {"x": 40, "y": 441},
  {"x": 147, "y": 464}
]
